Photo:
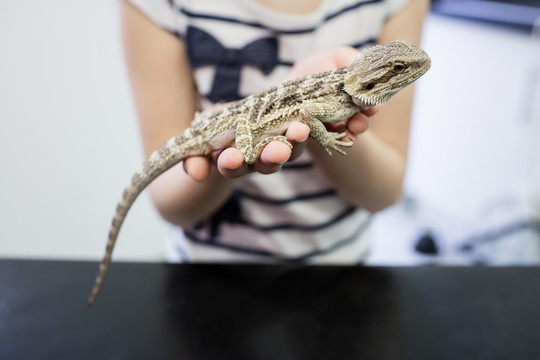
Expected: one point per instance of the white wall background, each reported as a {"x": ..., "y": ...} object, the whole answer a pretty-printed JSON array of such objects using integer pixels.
[
  {"x": 474, "y": 163},
  {"x": 68, "y": 134},
  {"x": 69, "y": 140}
]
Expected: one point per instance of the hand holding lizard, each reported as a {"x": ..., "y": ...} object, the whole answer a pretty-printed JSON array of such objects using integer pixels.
[{"x": 230, "y": 162}]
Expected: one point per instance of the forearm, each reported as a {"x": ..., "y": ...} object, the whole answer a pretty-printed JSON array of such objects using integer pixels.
[
  {"x": 372, "y": 173},
  {"x": 165, "y": 98},
  {"x": 183, "y": 201},
  {"x": 369, "y": 176}
]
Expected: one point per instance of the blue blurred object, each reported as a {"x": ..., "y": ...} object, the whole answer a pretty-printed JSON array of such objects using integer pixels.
[{"x": 519, "y": 13}]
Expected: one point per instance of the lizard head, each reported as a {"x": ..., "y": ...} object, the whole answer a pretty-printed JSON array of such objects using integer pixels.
[{"x": 379, "y": 72}]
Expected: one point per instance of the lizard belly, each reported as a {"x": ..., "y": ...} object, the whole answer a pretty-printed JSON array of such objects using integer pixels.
[
  {"x": 278, "y": 126},
  {"x": 223, "y": 140},
  {"x": 279, "y": 130}
]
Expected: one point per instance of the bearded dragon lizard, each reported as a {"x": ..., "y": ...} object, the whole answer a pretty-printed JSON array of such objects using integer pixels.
[{"x": 371, "y": 79}]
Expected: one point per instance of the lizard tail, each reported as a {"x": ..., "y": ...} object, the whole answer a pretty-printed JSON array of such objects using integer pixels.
[{"x": 170, "y": 154}]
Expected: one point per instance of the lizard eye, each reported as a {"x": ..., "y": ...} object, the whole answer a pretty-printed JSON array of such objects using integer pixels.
[
  {"x": 398, "y": 68},
  {"x": 370, "y": 86}
]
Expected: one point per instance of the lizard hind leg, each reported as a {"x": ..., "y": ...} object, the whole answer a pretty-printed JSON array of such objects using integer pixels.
[
  {"x": 329, "y": 140},
  {"x": 261, "y": 144},
  {"x": 245, "y": 141}
]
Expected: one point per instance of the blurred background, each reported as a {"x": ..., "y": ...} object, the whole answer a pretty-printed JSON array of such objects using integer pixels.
[{"x": 69, "y": 140}]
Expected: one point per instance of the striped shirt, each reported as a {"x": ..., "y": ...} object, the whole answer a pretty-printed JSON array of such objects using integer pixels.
[{"x": 240, "y": 47}]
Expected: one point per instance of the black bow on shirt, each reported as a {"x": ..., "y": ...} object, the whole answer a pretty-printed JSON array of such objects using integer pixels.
[{"x": 204, "y": 49}]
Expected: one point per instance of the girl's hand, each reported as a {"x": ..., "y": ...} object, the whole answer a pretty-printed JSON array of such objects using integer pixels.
[{"x": 230, "y": 162}]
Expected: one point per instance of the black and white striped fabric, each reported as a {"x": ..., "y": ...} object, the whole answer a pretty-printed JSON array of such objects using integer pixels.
[{"x": 241, "y": 47}]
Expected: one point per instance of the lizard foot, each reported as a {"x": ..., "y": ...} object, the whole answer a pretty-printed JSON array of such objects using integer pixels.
[{"x": 331, "y": 142}]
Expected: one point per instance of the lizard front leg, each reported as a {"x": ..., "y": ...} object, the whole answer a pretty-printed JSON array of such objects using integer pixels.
[{"x": 315, "y": 114}]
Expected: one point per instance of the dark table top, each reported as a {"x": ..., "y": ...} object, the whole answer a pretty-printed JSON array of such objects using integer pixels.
[{"x": 164, "y": 311}]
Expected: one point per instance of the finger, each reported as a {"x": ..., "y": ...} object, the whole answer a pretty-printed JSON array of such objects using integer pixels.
[
  {"x": 273, "y": 156},
  {"x": 198, "y": 167},
  {"x": 231, "y": 163},
  {"x": 358, "y": 123},
  {"x": 371, "y": 111},
  {"x": 215, "y": 155},
  {"x": 323, "y": 60},
  {"x": 297, "y": 134},
  {"x": 344, "y": 55}
]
